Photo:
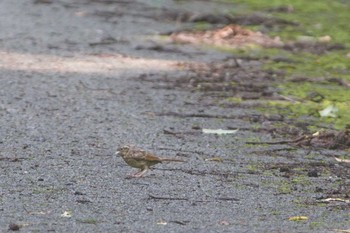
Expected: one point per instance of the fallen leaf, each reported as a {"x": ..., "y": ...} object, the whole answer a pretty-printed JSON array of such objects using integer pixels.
[
  {"x": 67, "y": 214},
  {"x": 330, "y": 111},
  {"x": 316, "y": 134},
  {"x": 334, "y": 199},
  {"x": 324, "y": 39},
  {"x": 215, "y": 159},
  {"x": 340, "y": 230},
  {"x": 342, "y": 160},
  {"x": 298, "y": 218},
  {"x": 162, "y": 222},
  {"x": 219, "y": 131}
]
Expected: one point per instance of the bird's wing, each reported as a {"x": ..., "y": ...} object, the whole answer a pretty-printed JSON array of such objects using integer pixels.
[
  {"x": 150, "y": 157},
  {"x": 138, "y": 154}
]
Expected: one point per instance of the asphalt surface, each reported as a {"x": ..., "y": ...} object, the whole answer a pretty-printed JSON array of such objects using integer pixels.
[{"x": 71, "y": 94}]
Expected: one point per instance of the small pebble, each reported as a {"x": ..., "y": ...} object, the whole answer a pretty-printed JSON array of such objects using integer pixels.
[{"x": 14, "y": 227}]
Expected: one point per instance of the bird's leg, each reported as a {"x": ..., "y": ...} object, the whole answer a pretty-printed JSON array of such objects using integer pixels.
[{"x": 141, "y": 173}]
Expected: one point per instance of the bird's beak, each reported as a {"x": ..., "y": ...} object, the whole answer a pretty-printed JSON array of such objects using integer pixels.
[{"x": 117, "y": 153}]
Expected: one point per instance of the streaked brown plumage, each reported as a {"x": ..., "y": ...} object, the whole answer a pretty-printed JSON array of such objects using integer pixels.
[{"x": 141, "y": 159}]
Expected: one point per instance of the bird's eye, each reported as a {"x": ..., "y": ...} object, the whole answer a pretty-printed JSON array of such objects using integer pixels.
[{"x": 124, "y": 148}]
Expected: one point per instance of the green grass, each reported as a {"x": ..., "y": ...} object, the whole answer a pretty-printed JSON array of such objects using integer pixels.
[{"x": 315, "y": 19}]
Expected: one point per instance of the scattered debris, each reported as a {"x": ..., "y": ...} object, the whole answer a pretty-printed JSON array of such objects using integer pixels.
[
  {"x": 167, "y": 198},
  {"x": 186, "y": 199},
  {"x": 180, "y": 222},
  {"x": 224, "y": 223},
  {"x": 324, "y": 139},
  {"x": 232, "y": 35}
]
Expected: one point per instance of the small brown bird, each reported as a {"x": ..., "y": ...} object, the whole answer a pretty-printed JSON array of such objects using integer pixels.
[{"x": 141, "y": 159}]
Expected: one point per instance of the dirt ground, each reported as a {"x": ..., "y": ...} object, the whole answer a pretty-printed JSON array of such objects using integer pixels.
[{"x": 79, "y": 78}]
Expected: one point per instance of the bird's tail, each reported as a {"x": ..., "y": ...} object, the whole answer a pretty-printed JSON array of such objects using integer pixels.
[{"x": 172, "y": 160}]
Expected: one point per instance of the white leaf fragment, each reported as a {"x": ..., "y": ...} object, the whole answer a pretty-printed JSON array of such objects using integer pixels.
[
  {"x": 220, "y": 131},
  {"x": 67, "y": 214},
  {"x": 330, "y": 111}
]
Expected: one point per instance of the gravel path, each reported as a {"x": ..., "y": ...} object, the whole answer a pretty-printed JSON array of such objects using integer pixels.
[{"x": 72, "y": 92}]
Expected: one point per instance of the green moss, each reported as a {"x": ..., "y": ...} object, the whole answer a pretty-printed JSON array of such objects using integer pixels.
[
  {"x": 268, "y": 173},
  {"x": 320, "y": 90},
  {"x": 202, "y": 26},
  {"x": 251, "y": 139},
  {"x": 88, "y": 221},
  {"x": 284, "y": 188},
  {"x": 275, "y": 212},
  {"x": 252, "y": 168},
  {"x": 316, "y": 225},
  {"x": 311, "y": 156},
  {"x": 312, "y": 109},
  {"x": 301, "y": 180},
  {"x": 237, "y": 185},
  {"x": 47, "y": 190},
  {"x": 234, "y": 99},
  {"x": 326, "y": 173},
  {"x": 315, "y": 19}
]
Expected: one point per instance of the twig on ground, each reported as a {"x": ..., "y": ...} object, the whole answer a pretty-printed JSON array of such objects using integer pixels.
[{"x": 280, "y": 142}]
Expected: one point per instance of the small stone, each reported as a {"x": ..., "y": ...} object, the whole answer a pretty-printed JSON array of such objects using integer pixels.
[
  {"x": 14, "y": 227},
  {"x": 224, "y": 223},
  {"x": 313, "y": 173}
]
